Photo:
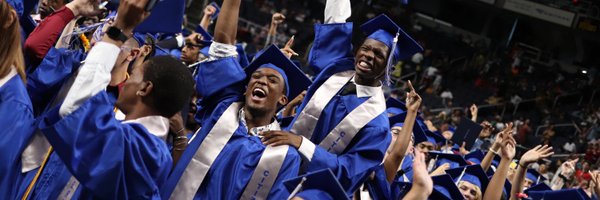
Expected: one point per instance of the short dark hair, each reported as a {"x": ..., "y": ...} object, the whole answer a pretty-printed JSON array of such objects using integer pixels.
[{"x": 173, "y": 84}]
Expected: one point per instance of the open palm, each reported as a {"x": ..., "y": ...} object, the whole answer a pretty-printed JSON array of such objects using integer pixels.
[{"x": 536, "y": 154}]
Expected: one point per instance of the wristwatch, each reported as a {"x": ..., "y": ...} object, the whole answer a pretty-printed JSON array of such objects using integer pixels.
[{"x": 116, "y": 34}]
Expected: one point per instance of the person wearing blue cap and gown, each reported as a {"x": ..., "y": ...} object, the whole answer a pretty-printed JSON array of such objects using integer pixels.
[
  {"x": 227, "y": 159},
  {"x": 17, "y": 112},
  {"x": 120, "y": 159},
  {"x": 384, "y": 175},
  {"x": 342, "y": 124},
  {"x": 471, "y": 181},
  {"x": 444, "y": 188},
  {"x": 499, "y": 179},
  {"x": 533, "y": 155},
  {"x": 66, "y": 179}
]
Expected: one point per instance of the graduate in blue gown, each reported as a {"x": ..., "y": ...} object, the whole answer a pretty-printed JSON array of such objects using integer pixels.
[
  {"x": 342, "y": 121},
  {"x": 110, "y": 159},
  {"x": 16, "y": 117},
  {"x": 398, "y": 161},
  {"x": 227, "y": 159}
]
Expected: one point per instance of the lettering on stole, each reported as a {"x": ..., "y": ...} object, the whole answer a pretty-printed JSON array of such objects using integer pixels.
[
  {"x": 342, "y": 134},
  {"x": 260, "y": 184}
]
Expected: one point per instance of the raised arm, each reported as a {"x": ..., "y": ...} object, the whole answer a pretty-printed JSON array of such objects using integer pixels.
[
  {"x": 276, "y": 19},
  {"x": 507, "y": 153},
  {"x": 209, "y": 11},
  {"x": 95, "y": 74},
  {"x": 474, "y": 111},
  {"x": 226, "y": 28},
  {"x": 46, "y": 34},
  {"x": 333, "y": 40},
  {"x": 422, "y": 185},
  {"x": 393, "y": 160},
  {"x": 489, "y": 156},
  {"x": 537, "y": 153}
]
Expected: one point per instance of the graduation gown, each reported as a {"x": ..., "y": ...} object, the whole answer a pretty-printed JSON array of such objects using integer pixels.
[
  {"x": 110, "y": 159},
  {"x": 222, "y": 83},
  {"x": 16, "y": 121},
  {"x": 332, "y": 53},
  {"x": 47, "y": 79}
]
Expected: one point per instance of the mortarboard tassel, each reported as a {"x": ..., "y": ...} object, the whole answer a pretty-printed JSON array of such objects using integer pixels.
[
  {"x": 461, "y": 175},
  {"x": 390, "y": 60},
  {"x": 298, "y": 188}
]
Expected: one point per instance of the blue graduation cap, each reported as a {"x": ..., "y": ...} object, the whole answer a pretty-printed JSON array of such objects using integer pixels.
[
  {"x": 423, "y": 134},
  {"x": 399, "y": 189},
  {"x": 17, "y": 5},
  {"x": 534, "y": 176},
  {"x": 475, "y": 157},
  {"x": 165, "y": 17},
  {"x": 274, "y": 59},
  {"x": 539, "y": 188},
  {"x": 320, "y": 184},
  {"x": 454, "y": 160},
  {"x": 444, "y": 188},
  {"x": 571, "y": 194},
  {"x": 397, "y": 120},
  {"x": 467, "y": 131},
  {"x": 473, "y": 174},
  {"x": 217, "y": 10},
  {"x": 401, "y": 45},
  {"x": 383, "y": 29},
  {"x": 395, "y": 106},
  {"x": 207, "y": 39}
]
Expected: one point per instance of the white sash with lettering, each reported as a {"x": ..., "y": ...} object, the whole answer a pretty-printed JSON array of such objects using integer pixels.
[
  {"x": 337, "y": 140},
  {"x": 307, "y": 119},
  {"x": 265, "y": 173},
  {"x": 206, "y": 154}
]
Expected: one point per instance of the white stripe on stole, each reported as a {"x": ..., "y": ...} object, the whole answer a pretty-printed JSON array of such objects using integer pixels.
[
  {"x": 265, "y": 173},
  {"x": 205, "y": 156},
  {"x": 338, "y": 139},
  {"x": 307, "y": 119}
]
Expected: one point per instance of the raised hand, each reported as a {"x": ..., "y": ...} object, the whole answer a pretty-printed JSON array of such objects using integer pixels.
[
  {"x": 507, "y": 149},
  {"x": 463, "y": 151},
  {"x": 440, "y": 170},
  {"x": 536, "y": 154},
  {"x": 568, "y": 167},
  {"x": 131, "y": 13},
  {"x": 209, "y": 10},
  {"x": 487, "y": 129},
  {"x": 413, "y": 100},
  {"x": 290, "y": 107},
  {"x": 277, "y": 18},
  {"x": 287, "y": 49},
  {"x": 420, "y": 177},
  {"x": 473, "y": 110},
  {"x": 86, "y": 8},
  {"x": 503, "y": 134}
]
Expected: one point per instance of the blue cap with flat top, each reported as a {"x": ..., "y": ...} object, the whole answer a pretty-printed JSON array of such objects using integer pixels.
[
  {"x": 274, "y": 59},
  {"x": 320, "y": 184},
  {"x": 400, "y": 44},
  {"x": 217, "y": 10},
  {"x": 383, "y": 29},
  {"x": 444, "y": 188},
  {"x": 473, "y": 174},
  {"x": 571, "y": 194},
  {"x": 475, "y": 157},
  {"x": 534, "y": 176},
  {"x": 206, "y": 39},
  {"x": 453, "y": 159},
  {"x": 165, "y": 17}
]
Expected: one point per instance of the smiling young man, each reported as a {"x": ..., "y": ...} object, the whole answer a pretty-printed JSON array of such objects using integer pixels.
[
  {"x": 342, "y": 124},
  {"x": 226, "y": 159}
]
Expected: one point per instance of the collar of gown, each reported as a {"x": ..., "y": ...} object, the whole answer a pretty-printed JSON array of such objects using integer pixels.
[
  {"x": 366, "y": 91},
  {"x": 156, "y": 125},
  {"x": 10, "y": 74}
]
